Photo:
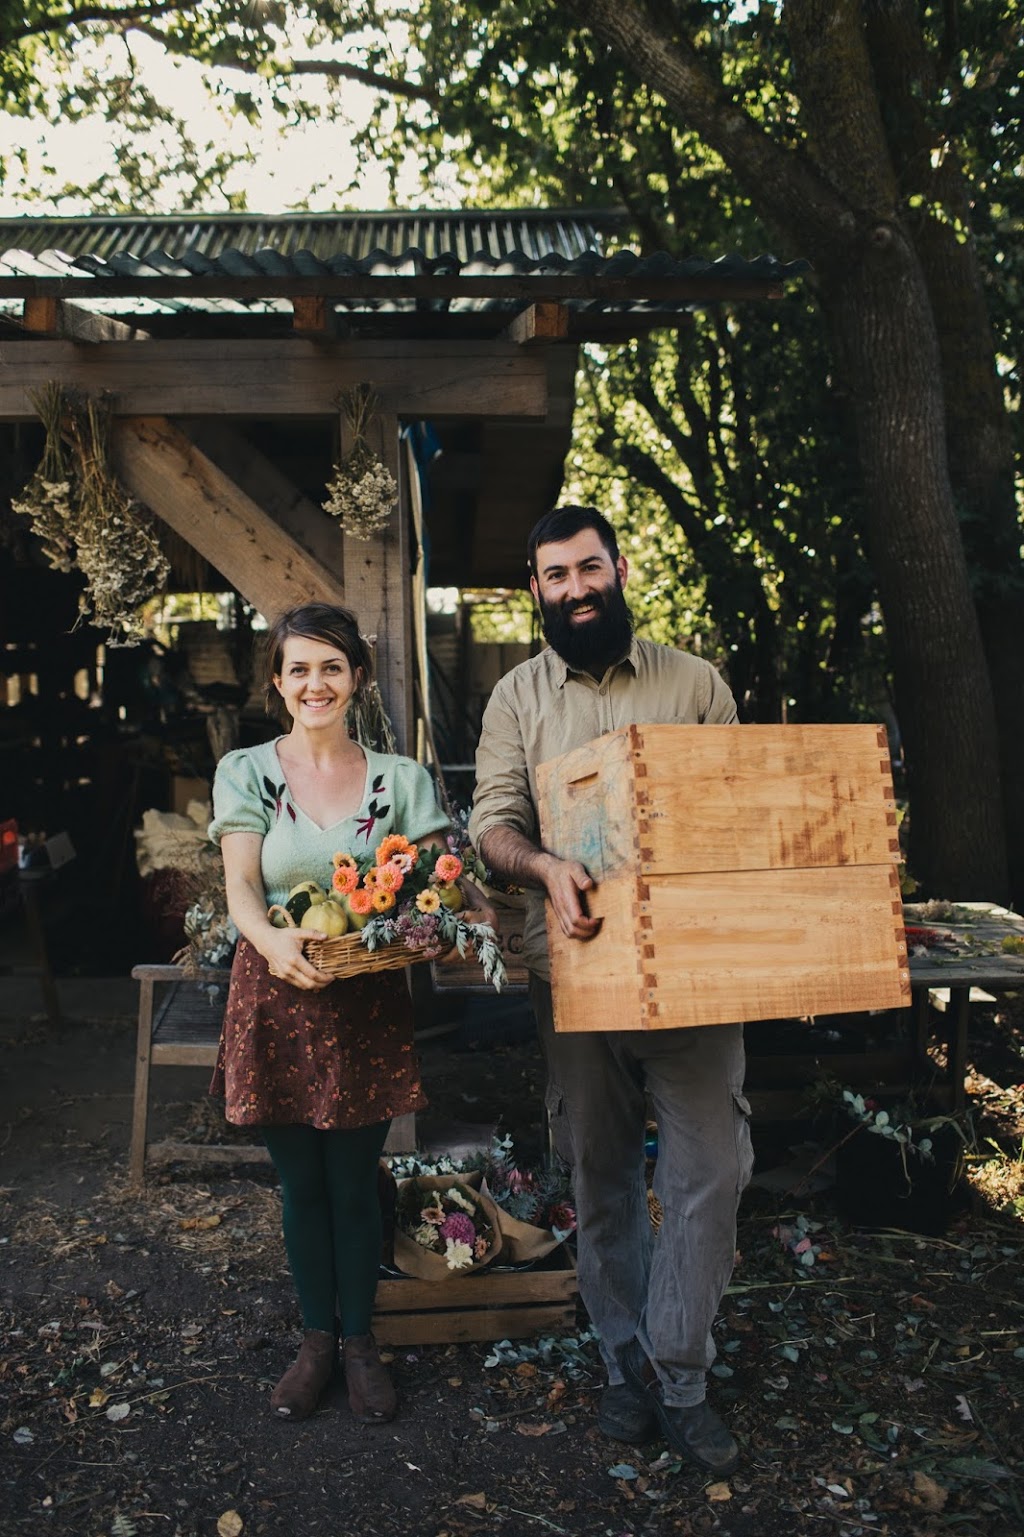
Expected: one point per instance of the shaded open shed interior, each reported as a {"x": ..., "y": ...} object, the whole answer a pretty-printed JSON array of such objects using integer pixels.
[{"x": 223, "y": 345}]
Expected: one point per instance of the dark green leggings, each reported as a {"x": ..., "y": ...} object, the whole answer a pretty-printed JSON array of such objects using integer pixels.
[{"x": 332, "y": 1221}]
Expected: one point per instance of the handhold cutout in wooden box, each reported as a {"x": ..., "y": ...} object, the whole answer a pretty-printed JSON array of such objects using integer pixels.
[{"x": 743, "y": 872}]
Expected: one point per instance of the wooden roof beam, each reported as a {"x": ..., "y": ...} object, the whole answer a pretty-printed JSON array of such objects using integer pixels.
[
  {"x": 529, "y": 288},
  {"x": 49, "y": 316},
  {"x": 168, "y": 473},
  {"x": 280, "y": 377},
  {"x": 317, "y": 319},
  {"x": 540, "y": 323}
]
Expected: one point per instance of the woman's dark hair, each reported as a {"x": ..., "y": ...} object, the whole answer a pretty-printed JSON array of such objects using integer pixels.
[
  {"x": 564, "y": 523},
  {"x": 328, "y": 623}
]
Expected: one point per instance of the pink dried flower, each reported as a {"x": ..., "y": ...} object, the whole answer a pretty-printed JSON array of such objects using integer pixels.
[{"x": 459, "y": 1228}]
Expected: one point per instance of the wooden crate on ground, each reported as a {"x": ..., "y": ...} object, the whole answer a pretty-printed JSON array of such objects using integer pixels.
[
  {"x": 743, "y": 872},
  {"x": 463, "y": 975},
  {"x": 491, "y": 1305}
]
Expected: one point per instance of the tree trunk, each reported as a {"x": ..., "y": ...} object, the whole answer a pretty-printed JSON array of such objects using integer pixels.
[
  {"x": 878, "y": 309},
  {"x": 979, "y": 436}
]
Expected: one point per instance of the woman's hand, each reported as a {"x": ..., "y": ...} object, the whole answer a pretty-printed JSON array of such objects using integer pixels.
[{"x": 282, "y": 949}]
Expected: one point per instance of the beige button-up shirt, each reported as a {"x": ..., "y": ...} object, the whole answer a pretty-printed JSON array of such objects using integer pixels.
[{"x": 544, "y": 708}]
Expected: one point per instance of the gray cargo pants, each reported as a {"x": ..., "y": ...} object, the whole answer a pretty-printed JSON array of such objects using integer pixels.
[{"x": 665, "y": 1290}]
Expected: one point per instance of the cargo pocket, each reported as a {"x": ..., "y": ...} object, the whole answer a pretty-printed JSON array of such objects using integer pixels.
[
  {"x": 744, "y": 1144},
  {"x": 557, "y": 1135}
]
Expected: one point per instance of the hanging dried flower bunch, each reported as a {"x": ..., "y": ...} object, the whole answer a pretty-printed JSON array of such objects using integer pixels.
[
  {"x": 362, "y": 493},
  {"x": 369, "y": 721},
  {"x": 85, "y": 518},
  {"x": 117, "y": 549},
  {"x": 47, "y": 500}
]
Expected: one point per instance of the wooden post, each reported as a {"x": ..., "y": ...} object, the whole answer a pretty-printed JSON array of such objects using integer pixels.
[
  {"x": 140, "y": 1102},
  {"x": 378, "y": 585}
]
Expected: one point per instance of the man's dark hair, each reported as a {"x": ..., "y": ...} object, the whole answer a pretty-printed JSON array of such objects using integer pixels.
[{"x": 563, "y": 523}]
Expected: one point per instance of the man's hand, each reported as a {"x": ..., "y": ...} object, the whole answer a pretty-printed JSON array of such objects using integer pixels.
[{"x": 564, "y": 881}]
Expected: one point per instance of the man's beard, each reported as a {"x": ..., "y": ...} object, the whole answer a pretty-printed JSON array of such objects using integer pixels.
[{"x": 600, "y": 641}]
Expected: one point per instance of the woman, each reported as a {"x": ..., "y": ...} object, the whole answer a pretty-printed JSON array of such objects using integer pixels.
[{"x": 320, "y": 1065}]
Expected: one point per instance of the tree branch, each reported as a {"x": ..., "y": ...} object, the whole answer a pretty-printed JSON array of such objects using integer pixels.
[
  {"x": 782, "y": 183},
  {"x": 63, "y": 21}
]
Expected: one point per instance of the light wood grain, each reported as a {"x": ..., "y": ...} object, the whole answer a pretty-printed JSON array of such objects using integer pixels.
[
  {"x": 758, "y": 944},
  {"x": 168, "y": 473},
  {"x": 743, "y": 873},
  {"x": 795, "y": 796},
  {"x": 597, "y": 984}
]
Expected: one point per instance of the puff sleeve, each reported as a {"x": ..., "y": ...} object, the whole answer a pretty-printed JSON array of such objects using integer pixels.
[
  {"x": 416, "y": 812},
  {"x": 239, "y": 805}
]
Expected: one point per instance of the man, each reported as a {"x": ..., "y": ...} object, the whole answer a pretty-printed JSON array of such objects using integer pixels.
[{"x": 652, "y": 1302}]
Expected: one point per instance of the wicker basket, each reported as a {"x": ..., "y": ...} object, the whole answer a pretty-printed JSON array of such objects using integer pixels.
[{"x": 347, "y": 956}]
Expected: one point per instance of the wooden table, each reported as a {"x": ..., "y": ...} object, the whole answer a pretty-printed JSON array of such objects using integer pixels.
[
  {"x": 888, "y": 1052},
  {"x": 965, "y": 954}
]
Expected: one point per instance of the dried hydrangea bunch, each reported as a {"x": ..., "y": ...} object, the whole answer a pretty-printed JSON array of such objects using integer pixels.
[
  {"x": 85, "y": 518},
  {"x": 362, "y": 492}
]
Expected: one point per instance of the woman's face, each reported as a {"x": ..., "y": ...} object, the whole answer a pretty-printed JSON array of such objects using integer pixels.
[{"x": 316, "y": 682}]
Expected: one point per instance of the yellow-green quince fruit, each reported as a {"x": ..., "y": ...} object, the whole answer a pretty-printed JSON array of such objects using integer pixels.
[
  {"x": 316, "y": 893},
  {"x": 328, "y": 917},
  {"x": 451, "y": 897}
]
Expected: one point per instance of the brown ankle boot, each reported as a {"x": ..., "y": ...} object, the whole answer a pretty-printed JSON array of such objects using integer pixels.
[
  {"x": 298, "y": 1392},
  {"x": 371, "y": 1394}
]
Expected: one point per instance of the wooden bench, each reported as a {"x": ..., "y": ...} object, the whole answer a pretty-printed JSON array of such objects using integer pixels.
[{"x": 179, "y": 1026}]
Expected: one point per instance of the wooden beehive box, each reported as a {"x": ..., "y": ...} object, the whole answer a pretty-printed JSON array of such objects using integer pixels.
[
  {"x": 743, "y": 872},
  {"x": 494, "y": 1304}
]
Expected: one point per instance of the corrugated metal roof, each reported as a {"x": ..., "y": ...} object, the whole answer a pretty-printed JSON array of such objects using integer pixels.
[
  {"x": 464, "y": 233},
  {"x": 373, "y": 265}
]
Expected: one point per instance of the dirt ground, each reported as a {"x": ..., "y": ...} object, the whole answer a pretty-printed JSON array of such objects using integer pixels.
[{"x": 875, "y": 1387}]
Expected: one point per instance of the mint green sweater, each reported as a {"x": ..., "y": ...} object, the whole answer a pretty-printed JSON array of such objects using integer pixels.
[{"x": 251, "y": 795}]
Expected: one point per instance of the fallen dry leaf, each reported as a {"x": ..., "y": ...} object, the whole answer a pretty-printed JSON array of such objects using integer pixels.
[
  {"x": 97, "y": 1398},
  {"x": 200, "y": 1223},
  {"x": 229, "y": 1524},
  {"x": 932, "y": 1495},
  {"x": 533, "y": 1430},
  {"x": 475, "y": 1501},
  {"x": 718, "y": 1492}
]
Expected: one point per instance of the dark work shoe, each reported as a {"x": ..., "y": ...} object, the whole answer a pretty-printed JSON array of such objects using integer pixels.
[
  {"x": 626, "y": 1415},
  {"x": 696, "y": 1432}
]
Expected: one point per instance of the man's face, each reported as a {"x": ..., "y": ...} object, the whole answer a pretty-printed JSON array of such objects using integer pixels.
[{"x": 578, "y": 588}]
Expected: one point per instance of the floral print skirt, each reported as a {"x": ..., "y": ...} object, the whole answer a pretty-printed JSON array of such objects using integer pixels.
[{"x": 336, "y": 1059}]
